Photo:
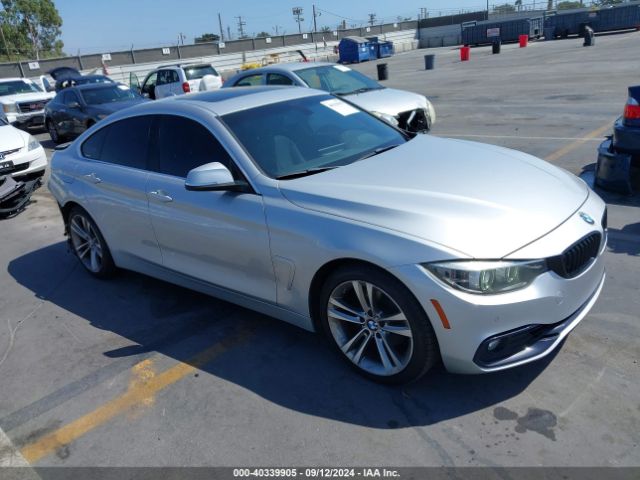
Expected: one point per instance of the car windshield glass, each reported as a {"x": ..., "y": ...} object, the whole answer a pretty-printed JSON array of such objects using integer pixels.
[
  {"x": 96, "y": 79},
  {"x": 117, "y": 93},
  {"x": 18, "y": 86},
  {"x": 199, "y": 71},
  {"x": 337, "y": 79},
  {"x": 309, "y": 135}
]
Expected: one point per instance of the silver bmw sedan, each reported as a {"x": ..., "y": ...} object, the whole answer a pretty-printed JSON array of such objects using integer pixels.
[{"x": 402, "y": 249}]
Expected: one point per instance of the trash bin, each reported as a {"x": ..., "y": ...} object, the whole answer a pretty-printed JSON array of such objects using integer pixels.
[
  {"x": 524, "y": 40},
  {"x": 495, "y": 46},
  {"x": 383, "y": 71},
  {"x": 589, "y": 38},
  {"x": 550, "y": 33},
  {"x": 429, "y": 62},
  {"x": 465, "y": 53}
]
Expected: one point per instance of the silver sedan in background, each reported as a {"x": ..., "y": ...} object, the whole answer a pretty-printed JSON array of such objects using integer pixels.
[
  {"x": 407, "y": 110},
  {"x": 403, "y": 249}
]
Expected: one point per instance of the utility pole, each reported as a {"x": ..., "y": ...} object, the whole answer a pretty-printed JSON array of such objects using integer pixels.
[
  {"x": 487, "y": 9},
  {"x": 423, "y": 13},
  {"x": 315, "y": 26},
  {"x": 241, "y": 25},
  {"x": 221, "y": 29},
  {"x": 372, "y": 19},
  {"x": 297, "y": 12},
  {"x": 229, "y": 33},
  {"x": 181, "y": 38}
]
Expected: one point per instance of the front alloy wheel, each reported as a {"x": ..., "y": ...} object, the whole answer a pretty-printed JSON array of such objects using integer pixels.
[
  {"x": 88, "y": 244},
  {"x": 377, "y": 324}
]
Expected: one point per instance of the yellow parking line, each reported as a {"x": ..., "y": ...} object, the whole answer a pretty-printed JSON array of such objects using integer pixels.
[
  {"x": 138, "y": 393},
  {"x": 561, "y": 152}
]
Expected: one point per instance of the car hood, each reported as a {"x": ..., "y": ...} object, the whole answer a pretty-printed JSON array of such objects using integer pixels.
[
  {"x": 28, "y": 97},
  {"x": 107, "y": 108},
  {"x": 481, "y": 200},
  {"x": 10, "y": 138},
  {"x": 388, "y": 100}
]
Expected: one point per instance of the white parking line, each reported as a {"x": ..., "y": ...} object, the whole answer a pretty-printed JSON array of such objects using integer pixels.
[
  {"x": 517, "y": 137},
  {"x": 9, "y": 455}
]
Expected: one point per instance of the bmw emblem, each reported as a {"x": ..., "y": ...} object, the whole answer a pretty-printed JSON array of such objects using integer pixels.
[{"x": 587, "y": 218}]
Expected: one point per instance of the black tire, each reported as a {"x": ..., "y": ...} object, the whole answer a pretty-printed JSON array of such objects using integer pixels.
[
  {"x": 53, "y": 133},
  {"x": 79, "y": 217},
  {"x": 424, "y": 352}
]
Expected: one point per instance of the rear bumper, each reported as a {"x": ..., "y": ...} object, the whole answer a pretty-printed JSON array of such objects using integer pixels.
[{"x": 626, "y": 139}]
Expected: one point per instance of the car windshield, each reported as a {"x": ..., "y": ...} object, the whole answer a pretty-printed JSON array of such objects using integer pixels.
[
  {"x": 99, "y": 96},
  {"x": 18, "y": 86},
  {"x": 199, "y": 71},
  {"x": 311, "y": 134},
  {"x": 337, "y": 79},
  {"x": 3, "y": 122},
  {"x": 92, "y": 79}
]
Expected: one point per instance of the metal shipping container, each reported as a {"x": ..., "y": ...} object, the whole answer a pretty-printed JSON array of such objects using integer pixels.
[
  {"x": 573, "y": 22},
  {"x": 478, "y": 33}
]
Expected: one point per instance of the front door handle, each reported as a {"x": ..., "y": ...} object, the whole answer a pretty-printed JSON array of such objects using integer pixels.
[
  {"x": 92, "y": 178},
  {"x": 160, "y": 195}
]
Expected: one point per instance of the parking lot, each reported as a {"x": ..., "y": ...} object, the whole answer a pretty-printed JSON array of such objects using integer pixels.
[{"x": 137, "y": 372}]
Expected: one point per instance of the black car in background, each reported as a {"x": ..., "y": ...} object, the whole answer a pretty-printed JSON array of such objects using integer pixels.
[
  {"x": 618, "y": 165},
  {"x": 75, "y": 109},
  {"x": 66, "y": 77}
]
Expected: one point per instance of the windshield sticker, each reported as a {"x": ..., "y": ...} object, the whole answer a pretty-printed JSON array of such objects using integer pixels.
[
  {"x": 339, "y": 106},
  {"x": 342, "y": 68}
]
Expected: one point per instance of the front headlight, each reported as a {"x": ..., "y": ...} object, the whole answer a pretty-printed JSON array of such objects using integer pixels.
[
  {"x": 9, "y": 107},
  {"x": 33, "y": 143},
  {"x": 487, "y": 277},
  {"x": 386, "y": 117}
]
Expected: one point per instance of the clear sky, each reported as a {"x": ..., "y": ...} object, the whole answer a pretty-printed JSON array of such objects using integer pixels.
[{"x": 108, "y": 25}]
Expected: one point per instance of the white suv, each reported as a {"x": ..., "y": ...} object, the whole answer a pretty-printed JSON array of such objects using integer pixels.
[
  {"x": 172, "y": 80},
  {"x": 23, "y": 101}
]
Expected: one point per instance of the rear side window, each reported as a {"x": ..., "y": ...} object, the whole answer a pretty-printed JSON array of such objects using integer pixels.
[
  {"x": 277, "y": 79},
  {"x": 122, "y": 143},
  {"x": 184, "y": 144},
  {"x": 249, "y": 81}
]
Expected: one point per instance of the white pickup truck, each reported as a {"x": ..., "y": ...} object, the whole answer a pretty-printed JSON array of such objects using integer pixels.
[{"x": 23, "y": 101}]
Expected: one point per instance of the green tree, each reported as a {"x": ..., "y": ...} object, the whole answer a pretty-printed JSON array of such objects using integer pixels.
[
  {"x": 207, "y": 37},
  {"x": 32, "y": 28},
  {"x": 604, "y": 3},
  {"x": 505, "y": 8},
  {"x": 325, "y": 29},
  {"x": 567, "y": 5},
  {"x": 262, "y": 34}
]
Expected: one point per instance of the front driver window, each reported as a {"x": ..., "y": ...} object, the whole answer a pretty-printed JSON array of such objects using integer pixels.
[
  {"x": 151, "y": 82},
  {"x": 185, "y": 144}
]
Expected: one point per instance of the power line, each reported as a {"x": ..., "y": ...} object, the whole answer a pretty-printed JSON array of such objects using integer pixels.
[{"x": 241, "y": 25}]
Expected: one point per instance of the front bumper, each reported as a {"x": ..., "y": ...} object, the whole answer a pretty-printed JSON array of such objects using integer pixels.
[
  {"x": 30, "y": 119},
  {"x": 29, "y": 163},
  {"x": 555, "y": 303}
]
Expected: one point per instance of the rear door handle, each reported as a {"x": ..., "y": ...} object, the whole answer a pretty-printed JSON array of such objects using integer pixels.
[
  {"x": 160, "y": 195},
  {"x": 92, "y": 178}
]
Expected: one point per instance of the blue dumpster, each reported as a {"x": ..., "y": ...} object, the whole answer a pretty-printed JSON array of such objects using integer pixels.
[
  {"x": 385, "y": 49},
  {"x": 355, "y": 50}
]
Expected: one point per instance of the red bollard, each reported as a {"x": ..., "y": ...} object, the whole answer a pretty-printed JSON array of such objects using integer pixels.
[
  {"x": 524, "y": 40},
  {"x": 465, "y": 53}
]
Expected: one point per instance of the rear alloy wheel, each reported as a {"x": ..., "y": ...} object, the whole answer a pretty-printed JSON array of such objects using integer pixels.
[
  {"x": 89, "y": 245},
  {"x": 377, "y": 324},
  {"x": 53, "y": 133}
]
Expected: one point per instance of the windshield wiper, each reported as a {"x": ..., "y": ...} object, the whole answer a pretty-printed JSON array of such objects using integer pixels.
[
  {"x": 358, "y": 90},
  {"x": 304, "y": 173},
  {"x": 378, "y": 151}
]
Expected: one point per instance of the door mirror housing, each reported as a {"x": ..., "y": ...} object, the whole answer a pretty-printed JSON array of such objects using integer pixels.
[{"x": 213, "y": 177}]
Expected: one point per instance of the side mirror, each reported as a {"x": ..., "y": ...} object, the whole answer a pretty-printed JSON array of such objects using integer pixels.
[
  {"x": 73, "y": 105},
  {"x": 213, "y": 177}
]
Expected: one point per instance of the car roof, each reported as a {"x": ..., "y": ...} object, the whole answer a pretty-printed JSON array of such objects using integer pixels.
[
  {"x": 224, "y": 101},
  {"x": 288, "y": 67}
]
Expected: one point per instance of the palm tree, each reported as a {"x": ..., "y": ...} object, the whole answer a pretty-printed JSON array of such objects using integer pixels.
[{"x": 519, "y": 4}]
